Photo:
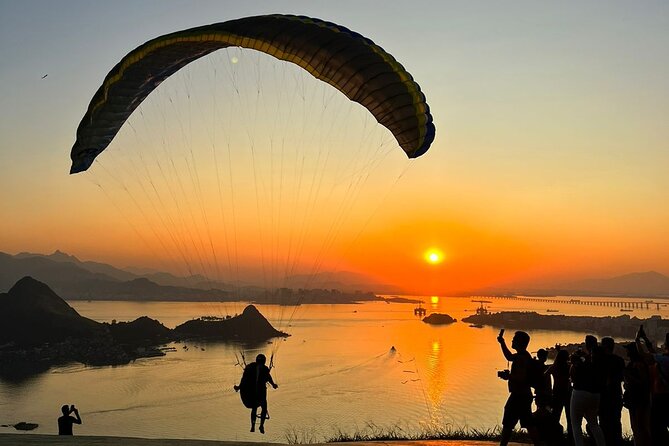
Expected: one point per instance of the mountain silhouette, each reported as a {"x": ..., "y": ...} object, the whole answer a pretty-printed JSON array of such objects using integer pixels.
[
  {"x": 74, "y": 281},
  {"x": 633, "y": 284},
  {"x": 31, "y": 313},
  {"x": 638, "y": 284},
  {"x": 251, "y": 325},
  {"x": 161, "y": 278},
  {"x": 143, "y": 329},
  {"x": 39, "y": 329},
  {"x": 340, "y": 280}
]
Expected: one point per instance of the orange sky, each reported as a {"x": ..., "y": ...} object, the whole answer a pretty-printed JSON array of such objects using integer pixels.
[{"x": 550, "y": 159}]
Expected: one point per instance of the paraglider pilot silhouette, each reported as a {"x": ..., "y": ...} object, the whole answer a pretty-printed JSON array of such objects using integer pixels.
[{"x": 253, "y": 390}]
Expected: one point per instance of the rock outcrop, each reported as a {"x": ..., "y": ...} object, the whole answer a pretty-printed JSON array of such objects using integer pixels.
[
  {"x": 248, "y": 326},
  {"x": 142, "y": 330},
  {"x": 439, "y": 319},
  {"x": 39, "y": 329}
]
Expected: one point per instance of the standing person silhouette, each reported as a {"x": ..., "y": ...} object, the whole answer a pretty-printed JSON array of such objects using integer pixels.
[
  {"x": 253, "y": 386},
  {"x": 543, "y": 392},
  {"x": 611, "y": 403},
  {"x": 637, "y": 395},
  {"x": 561, "y": 391},
  {"x": 518, "y": 406},
  {"x": 586, "y": 376},
  {"x": 659, "y": 369},
  {"x": 65, "y": 422}
]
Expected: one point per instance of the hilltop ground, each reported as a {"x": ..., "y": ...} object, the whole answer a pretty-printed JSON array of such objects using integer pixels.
[{"x": 54, "y": 440}]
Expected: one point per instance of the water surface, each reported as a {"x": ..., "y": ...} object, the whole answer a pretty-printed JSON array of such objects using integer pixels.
[{"x": 336, "y": 372}]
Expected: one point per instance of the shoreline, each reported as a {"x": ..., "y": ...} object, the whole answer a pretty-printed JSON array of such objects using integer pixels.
[
  {"x": 12, "y": 439},
  {"x": 622, "y": 326}
]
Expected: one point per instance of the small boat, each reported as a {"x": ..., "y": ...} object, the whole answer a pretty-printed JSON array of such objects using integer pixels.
[
  {"x": 476, "y": 325},
  {"x": 551, "y": 310},
  {"x": 482, "y": 310},
  {"x": 626, "y": 309},
  {"x": 419, "y": 310}
]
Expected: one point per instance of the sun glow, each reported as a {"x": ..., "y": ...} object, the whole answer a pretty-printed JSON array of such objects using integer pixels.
[{"x": 434, "y": 256}]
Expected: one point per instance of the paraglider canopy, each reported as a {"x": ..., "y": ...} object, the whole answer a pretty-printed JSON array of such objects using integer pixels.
[{"x": 351, "y": 63}]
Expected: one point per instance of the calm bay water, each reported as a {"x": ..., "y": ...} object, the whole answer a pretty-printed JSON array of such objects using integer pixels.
[{"x": 336, "y": 372}]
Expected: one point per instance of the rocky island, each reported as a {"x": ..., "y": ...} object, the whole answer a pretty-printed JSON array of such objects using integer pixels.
[
  {"x": 439, "y": 319},
  {"x": 38, "y": 329},
  {"x": 621, "y": 326},
  {"x": 401, "y": 300}
]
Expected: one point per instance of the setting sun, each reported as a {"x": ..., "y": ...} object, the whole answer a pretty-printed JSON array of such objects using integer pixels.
[{"x": 434, "y": 256}]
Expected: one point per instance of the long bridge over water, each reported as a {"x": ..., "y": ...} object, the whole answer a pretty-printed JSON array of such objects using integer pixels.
[{"x": 623, "y": 304}]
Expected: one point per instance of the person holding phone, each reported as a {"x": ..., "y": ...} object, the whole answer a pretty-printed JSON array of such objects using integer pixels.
[
  {"x": 66, "y": 421},
  {"x": 518, "y": 406}
]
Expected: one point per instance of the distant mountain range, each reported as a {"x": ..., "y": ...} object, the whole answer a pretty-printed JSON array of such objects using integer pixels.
[
  {"x": 646, "y": 284},
  {"x": 72, "y": 278},
  {"x": 634, "y": 284},
  {"x": 196, "y": 281},
  {"x": 340, "y": 280},
  {"x": 90, "y": 280}
]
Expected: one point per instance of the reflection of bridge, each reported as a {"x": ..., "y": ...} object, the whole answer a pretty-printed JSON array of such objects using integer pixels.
[{"x": 630, "y": 304}]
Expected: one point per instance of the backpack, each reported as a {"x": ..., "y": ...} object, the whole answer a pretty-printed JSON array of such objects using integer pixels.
[{"x": 248, "y": 386}]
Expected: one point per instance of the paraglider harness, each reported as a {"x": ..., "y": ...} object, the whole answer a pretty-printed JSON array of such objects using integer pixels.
[{"x": 248, "y": 386}]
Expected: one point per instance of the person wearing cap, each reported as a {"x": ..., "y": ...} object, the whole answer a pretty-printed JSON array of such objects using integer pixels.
[{"x": 659, "y": 371}]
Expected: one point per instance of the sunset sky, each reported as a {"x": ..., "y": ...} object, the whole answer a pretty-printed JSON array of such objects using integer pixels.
[{"x": 551, "y": 159}]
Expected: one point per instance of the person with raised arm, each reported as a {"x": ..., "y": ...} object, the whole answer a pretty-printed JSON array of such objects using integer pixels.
[
  {"x": 518, "y": 407},
  {"x": 66, "y": 421}
]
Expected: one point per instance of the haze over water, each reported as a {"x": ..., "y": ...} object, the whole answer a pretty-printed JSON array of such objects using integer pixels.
[{"x": 335, "y": 372}]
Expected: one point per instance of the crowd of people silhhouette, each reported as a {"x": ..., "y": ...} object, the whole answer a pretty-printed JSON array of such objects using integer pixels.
[{"x": 592, "y": 384}]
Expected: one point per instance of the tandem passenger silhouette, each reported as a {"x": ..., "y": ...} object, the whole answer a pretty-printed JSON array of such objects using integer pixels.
[{"x": 253, "y": 390}]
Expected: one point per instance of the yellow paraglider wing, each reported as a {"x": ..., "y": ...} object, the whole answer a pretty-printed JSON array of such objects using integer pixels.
[{"x": 351, "y": 63}]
